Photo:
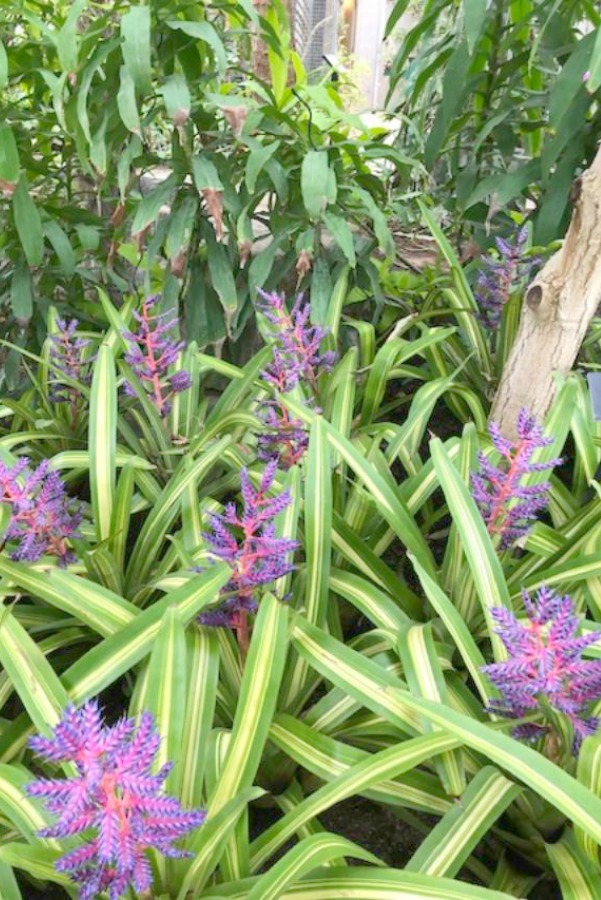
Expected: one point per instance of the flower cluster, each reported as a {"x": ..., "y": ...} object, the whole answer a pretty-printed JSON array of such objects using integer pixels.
[
  {"x": 501, "y": 276},
  {"x": 151, "y": 353},
  {"x": 508, "y": 506},
  {"x": 545, "y": 662},
  {"x": 68, "y": 355},
  {"x": 41, "y": 520},
  {"x": 296, "y": 359},
  {"x": 248, "y": 543},
  {"x": 114, "y": 800}
]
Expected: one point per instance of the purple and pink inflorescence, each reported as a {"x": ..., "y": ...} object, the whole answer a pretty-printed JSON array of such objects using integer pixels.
[
  {"x": 247, "y": 541},
  {"x": 68, "y": 355},
  {"x": 114, "y": 801},
  {"x": 501, "y": 276},
  {"x": 507, "y": 505},
  {"x": 545, "y": 662},
  {"x": 296, "y": 359},
  {"x": 42, "y": 517},
  {"x": 152, "y": 353}
]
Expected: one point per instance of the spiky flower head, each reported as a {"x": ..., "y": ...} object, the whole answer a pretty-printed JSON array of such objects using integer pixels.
[
  {"x": 545, "y": 662},
  {"x": 507, "y": 505},
  {"x": 296, "y": 353},
  {"x": 68, "y": 355},
  {"x": 247, "y": 541},
  {"x": 152, "y": 353},
  {"x": 502, "y": 275},
  {"x": 115, "y": 801},
  {"x": 42, "y": 516},
  {"x": 284, "y": 439}
]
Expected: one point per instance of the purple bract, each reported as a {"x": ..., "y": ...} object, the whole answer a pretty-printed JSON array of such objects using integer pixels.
[
  {"x": 508, "y": 506},
  {"x": 151, "y": 353},
  {"x": 248, "y": 543},
  {"x": 296, "y": 359},
  {"x": 501, "y": 276},
  {"x": 41, "y": 520},
  {"x": 67, "y": 354},
  {"x": 545, "y": 661},
  {"x": 115, "y": 801}
]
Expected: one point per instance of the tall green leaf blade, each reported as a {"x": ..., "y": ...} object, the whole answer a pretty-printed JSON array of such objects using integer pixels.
[
  {"x": 578, "y": 877},
  {"x": 103, "y": 441},
  {"x": 315, "y": 174}
]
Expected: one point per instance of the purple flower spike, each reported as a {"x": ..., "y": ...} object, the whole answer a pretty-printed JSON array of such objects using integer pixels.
[
  {"x": 151, "y": 353},
  {"x": 508, "y": 506},
  {"x": 41, "y": 520},
  {"x": 67, "y": 353},
  {"x": 501, "y": 276},
  {"x": 115, "y": 801},
  {"x": 285, "y": 438},
  {"x": 545, "y": 661},
  {"x": 296, "y": 353},
  {"x": 248, "y": 543},
  {"x": 296, "y": 358}
]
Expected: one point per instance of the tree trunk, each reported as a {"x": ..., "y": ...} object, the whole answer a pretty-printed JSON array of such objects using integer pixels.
[{"x": 558, "y": 308}]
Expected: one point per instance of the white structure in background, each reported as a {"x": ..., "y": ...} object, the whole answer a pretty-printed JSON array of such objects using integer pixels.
[{"x": 323, "y": 27}]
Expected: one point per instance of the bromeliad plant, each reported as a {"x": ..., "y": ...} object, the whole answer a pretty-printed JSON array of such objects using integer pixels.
[{"x": 235, "y": 633}]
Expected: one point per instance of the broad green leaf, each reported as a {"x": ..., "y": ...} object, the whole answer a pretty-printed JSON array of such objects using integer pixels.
[
  {"x": 126, "y": 101},
  {"x": 94, "y": 605},
  {"x": 135, "y": 46},
  {"x": 594, "y": 80},
  {"x": 176, "y": 95},
  {"x": 315, "y": 174},
  {"x": 28, "y": 223},
  {"x": 9, "y": 155},
  {"x": 203, "y": 31},
  {"x": 61, "y": 246},
  {"x": 205, "y": 174},
  {"x": 201, "y": 695},
  {"x": 342, "y": 233},
  {"x": 3, "y": 66},
  {"x": 474, "y": 18},
  {"x": 21, "y": 293},
  {"x": 103, "y": 440}
]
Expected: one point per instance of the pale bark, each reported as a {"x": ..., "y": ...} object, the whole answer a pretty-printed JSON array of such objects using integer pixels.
[{"x": 558, "y": 308}]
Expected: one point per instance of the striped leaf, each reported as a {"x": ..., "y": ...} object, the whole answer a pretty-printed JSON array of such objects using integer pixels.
[
  {"x": 358, "y": 883},
  {"x": 94, "y": 605},
  {"x": 309, "y": 854},
  {"x": 201, "y": 694},
  {"x": 460, "y": 633},
  {"x": 328, "y": 758},
  {"x": 106, "y": 662},
  {"x": 589, "y": 774},
  {"x": 484, "y": 564},
  {"x": 362, "y": 678},
  {"x": 103, "y": 440},
  {"x": 262, "y": 676},
  {"x": 449, "y": 844},
  {"x": 578, "y": 877},
  {"x": 215, "y": 833},
  {"x": 32, "y": 676},
  {"x": 165, "y": 511},
  {"x": 37, "y": 861},
  {"x": 425, "y": 679}
]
